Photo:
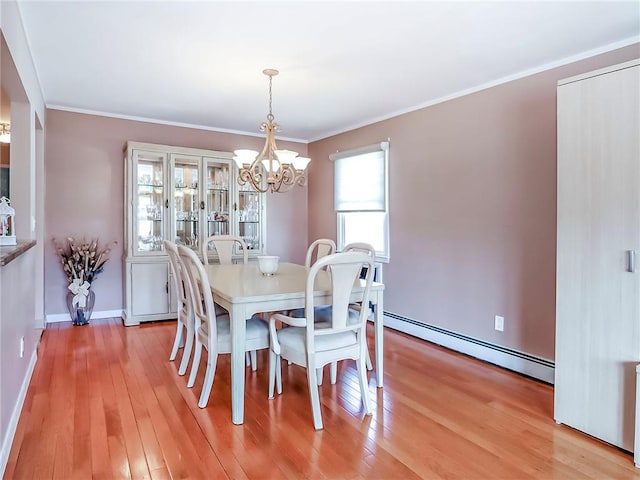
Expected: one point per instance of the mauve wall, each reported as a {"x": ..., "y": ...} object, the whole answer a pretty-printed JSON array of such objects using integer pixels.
[
  {"x": 84, "y": 166},
  {"x": 472, "y": 208}
]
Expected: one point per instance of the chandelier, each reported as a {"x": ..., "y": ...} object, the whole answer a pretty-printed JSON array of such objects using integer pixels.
[
  {"x": 282, "y": 169},
  {"x": 5, "y": 133}
]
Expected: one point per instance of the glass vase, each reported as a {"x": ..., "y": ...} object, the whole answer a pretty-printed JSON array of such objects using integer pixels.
[{"x": 81, "y": 315}]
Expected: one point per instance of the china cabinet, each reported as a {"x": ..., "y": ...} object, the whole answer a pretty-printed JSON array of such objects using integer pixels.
[
  {"x": 183, "y": 195},
  {"x": 598, "y": 288}
]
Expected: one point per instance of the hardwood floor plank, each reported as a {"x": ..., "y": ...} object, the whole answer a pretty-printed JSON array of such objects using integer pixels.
[
  {"x": 81, "y": 425},
  {"x": 96, "y": 366},
  {"x": 176, "y": 417},
  {"x": 130, "y": 433},
  {"x": 105, "y": 402}
]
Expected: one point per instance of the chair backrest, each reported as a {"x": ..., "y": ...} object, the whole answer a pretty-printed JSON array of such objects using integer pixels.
[
  {"x": 318, "y": 249},
  {"x": 200, "y": 294},
  {"x": 180, "y": 282},
  {"x": 361, "y": 247},
  {"x": 224, "y": 245},
  {"x": 344, "y": 270}
]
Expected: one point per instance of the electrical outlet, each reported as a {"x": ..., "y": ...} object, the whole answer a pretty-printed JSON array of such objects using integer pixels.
[
  {"x": 499, "y": 323},
  {"x": 21, "y": 346}
]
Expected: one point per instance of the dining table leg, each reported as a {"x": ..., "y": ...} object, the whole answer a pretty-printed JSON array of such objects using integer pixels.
[
  {"x": 238, "y": 342},
  {"x": 379, "y": 340}
]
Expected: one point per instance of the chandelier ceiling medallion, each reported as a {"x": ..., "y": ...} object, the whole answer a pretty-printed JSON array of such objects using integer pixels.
[{"x": 282, "y": 169}]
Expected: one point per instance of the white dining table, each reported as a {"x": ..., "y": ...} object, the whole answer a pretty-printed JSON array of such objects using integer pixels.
[{"x": 244, "y": 291}]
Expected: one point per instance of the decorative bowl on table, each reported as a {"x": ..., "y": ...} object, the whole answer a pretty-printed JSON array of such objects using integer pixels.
[{"x": 268, "y": 264}]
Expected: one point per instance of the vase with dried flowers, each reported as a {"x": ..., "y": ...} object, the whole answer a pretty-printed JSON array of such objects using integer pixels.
[{"x": 81, "y": 261}]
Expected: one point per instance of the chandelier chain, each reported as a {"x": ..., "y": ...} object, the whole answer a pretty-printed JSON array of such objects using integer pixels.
[{"x": 270, "y": 116}]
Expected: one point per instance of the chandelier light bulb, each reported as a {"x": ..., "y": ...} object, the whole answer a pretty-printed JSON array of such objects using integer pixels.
[
  {"x": 300, "y": 163},
  {"x": 244, "y": 157}
]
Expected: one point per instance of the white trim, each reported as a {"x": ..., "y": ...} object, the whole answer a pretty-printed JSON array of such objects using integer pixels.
[
  {"x": 509, "y": 78},
  {"x": 15, "y": 415},
  {"x": 136, "y": 118},
  {"x": 525, "y": 73},
  {"x": 341, "y": 214},
  {"x": 64, "y": 317},
  {"x": 375, "y": 147},
  {"x": 597, "y": 73},
  {"x": 526, "y": 364}
]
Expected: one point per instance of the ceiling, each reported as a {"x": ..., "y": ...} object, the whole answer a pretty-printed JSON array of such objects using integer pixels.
[{"x": 342, "y": 64}]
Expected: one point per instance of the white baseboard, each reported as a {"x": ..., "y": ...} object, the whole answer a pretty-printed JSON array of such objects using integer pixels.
[
  {"x": 15, "y": 415},
  {"x": 64, "y": 317},
  {"x": 524, "y": 363}
]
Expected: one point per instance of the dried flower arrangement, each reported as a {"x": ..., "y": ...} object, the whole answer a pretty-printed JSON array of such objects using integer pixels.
[{"x": 82, "y": 260}]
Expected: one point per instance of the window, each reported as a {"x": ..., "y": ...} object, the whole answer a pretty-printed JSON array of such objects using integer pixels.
[{"x": 361, "y": 197}]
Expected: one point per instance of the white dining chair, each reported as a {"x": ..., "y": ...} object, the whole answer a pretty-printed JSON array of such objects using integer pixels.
[
  {"x": 213, "y": 332},
  {"x": 318, "y": 249},
  {"x": 371, "y": 251},
  {"x": 313, "y": 345},
  {"x": 224, "y": 246},
  {"x": 322, "y": 312},
  {"x": 184, "y": 324}
]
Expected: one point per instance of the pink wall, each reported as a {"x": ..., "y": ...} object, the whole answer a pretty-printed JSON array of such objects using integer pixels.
[
  {"x": 472, "y": 208},
  {"x": 84, "y": 167}
]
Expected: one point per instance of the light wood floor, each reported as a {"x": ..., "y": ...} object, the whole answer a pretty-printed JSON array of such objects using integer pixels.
[{"x": 105, "y": 402}]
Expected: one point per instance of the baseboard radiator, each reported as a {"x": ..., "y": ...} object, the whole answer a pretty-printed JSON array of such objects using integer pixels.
[{"x": 524, "y": 363}]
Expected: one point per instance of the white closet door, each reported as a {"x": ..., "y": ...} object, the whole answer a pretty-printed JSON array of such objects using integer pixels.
[{"x": 598, "y": 314}]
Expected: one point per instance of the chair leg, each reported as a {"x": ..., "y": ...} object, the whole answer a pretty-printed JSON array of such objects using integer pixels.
[
  {"x": 319, "y": 375},
  {"x": 212, "y": 362},
  {"x": 272, "y": 372},
  {"x": 254, "y": 360},
  {"x": 334, "y": 372},
  {"x": 364, "y": 385},
  {"x": 315, "y": 397},
  {"x": 186, "y": 353},
  {"x": 279, "y": 375},
  {"x": 176, "y": 342},
  {"x": 275, "y": 374},
  {"x": 247, "y": 359},
  {"x": 195, "y": 364},
  {"x": 369, "y": 364}
]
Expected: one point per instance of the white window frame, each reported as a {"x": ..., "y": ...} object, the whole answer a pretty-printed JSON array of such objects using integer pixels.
[{"x": 383, "y": 255}]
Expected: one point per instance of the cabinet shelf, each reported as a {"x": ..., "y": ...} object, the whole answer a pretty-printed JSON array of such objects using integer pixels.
[{"x": 150, "y": 185}]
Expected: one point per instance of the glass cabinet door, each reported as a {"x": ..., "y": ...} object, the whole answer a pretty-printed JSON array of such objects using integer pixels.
[
  {"x": 217, "y": 197},
  {"x": 185, "y": 177},
  {"x": 249, "y": 215},
  {"x": 149, "y": 201}
]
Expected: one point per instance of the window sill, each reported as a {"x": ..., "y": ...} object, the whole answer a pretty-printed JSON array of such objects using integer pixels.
[{"x": 8, "y": 253}]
